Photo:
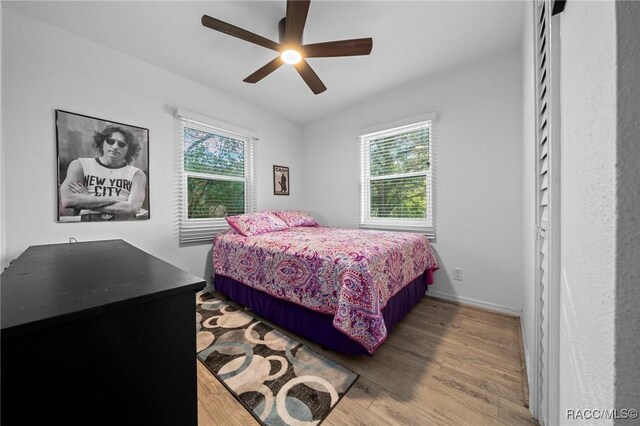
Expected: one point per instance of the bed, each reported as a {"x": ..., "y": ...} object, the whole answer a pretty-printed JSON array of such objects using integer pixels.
[{"x": 342, "y": 288}]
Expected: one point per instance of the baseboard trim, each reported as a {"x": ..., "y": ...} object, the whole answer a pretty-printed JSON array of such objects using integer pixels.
[{"x": 475, "y": 303}]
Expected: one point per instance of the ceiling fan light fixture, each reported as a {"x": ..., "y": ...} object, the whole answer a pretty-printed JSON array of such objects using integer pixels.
[{"x": 291, "y": 56}]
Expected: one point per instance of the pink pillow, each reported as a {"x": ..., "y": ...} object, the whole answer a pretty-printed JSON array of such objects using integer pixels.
[
  {"x": 296, "y": 218},
  {"x": 256, "y": 223}
]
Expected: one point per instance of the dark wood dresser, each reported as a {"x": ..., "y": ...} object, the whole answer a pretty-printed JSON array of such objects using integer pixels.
[{"x": 97, "y": 333}]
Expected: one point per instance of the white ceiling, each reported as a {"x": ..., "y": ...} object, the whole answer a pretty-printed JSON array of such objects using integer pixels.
[{"x": 410, "y": 40}]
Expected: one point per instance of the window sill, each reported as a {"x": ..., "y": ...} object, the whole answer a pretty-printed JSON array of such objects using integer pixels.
[{"x": 429, "y": 232}]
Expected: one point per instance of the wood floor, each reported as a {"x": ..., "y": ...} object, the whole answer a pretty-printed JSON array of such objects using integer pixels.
[{"x": 443, "y": 364}]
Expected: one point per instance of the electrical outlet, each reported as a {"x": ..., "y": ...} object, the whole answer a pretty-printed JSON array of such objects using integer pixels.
[{"x": 457, "y": 274}]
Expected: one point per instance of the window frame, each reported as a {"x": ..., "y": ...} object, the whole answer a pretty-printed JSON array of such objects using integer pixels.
[
  {"x": 422, "y": 225},
  {"x": 194, "y": 230}
]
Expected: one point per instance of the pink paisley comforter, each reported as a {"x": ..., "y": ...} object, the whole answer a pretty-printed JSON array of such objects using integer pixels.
[{"x": 347, "y": 273}]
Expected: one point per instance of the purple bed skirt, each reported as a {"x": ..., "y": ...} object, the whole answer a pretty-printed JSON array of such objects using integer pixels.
[{"x": 317, "y": 326}]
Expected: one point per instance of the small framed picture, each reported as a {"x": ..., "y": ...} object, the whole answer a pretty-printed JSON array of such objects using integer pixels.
[
  {"x": 280, "y": 180},
  {"x": 103, "y": 169}
]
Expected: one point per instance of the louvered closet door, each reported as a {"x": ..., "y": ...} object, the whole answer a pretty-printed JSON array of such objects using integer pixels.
[{"x": 547, "y": 209}]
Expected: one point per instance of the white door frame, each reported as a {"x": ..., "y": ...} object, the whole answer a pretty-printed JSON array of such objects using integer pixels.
[{"x": 555, "y": 277}]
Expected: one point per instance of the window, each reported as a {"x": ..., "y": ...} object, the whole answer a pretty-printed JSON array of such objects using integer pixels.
[
  {"x": 217, "y": 177},
  {"x": 397, "y": 178}
]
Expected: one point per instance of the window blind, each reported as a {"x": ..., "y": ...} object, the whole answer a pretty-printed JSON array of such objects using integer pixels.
[
  {"x": 216, "y": 176},
  {"x": 397, "y": 178}
]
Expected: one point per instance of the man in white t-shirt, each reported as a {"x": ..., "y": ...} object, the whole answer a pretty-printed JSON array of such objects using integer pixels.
[{"x": 107, "y": 187}]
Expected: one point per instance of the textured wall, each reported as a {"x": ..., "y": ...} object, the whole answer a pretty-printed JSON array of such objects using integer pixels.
[
  {"x": 628, "y": 207},
  {"x": 588, "y": 108}
]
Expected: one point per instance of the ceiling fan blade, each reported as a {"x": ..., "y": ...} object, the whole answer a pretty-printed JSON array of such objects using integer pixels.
[
  {"x": 354, "y": 47},
  {"x": 310, "y": 77},
  {"x": 296, "y": 18},
  {"x": 264, "y": 71},
  {"x": 232, "y": 30}
]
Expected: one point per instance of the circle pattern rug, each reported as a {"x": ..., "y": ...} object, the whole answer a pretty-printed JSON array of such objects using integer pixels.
[{"x": 277, "y": 379}]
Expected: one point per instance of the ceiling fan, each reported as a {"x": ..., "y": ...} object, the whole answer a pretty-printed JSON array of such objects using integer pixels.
[{"x": 290, "y": 46}]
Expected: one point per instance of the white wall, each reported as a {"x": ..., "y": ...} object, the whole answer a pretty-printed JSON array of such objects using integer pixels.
[
  {"x": 588, "y": 108},
  {"x": 45, "y": 68},
  {"x": 528, "y": 195},
  {"x": 628, "y": 208},
  {"x": 479, "y": 147}
]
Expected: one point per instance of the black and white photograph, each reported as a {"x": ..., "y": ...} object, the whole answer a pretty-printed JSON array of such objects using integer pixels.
[
  {"x": 280, "y": 180},
  {"x": 103, "y": 169}
]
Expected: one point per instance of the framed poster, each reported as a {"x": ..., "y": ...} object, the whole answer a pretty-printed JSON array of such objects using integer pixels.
[
  {"x": 280, "y": 180},
  {"x": 103, "y": 169}
]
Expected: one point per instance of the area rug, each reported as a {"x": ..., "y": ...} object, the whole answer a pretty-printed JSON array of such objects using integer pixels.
[{"x": 277, "y": 379}]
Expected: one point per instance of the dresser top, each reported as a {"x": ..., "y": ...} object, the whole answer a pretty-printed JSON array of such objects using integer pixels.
[{"x": 52, "y": 283}]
